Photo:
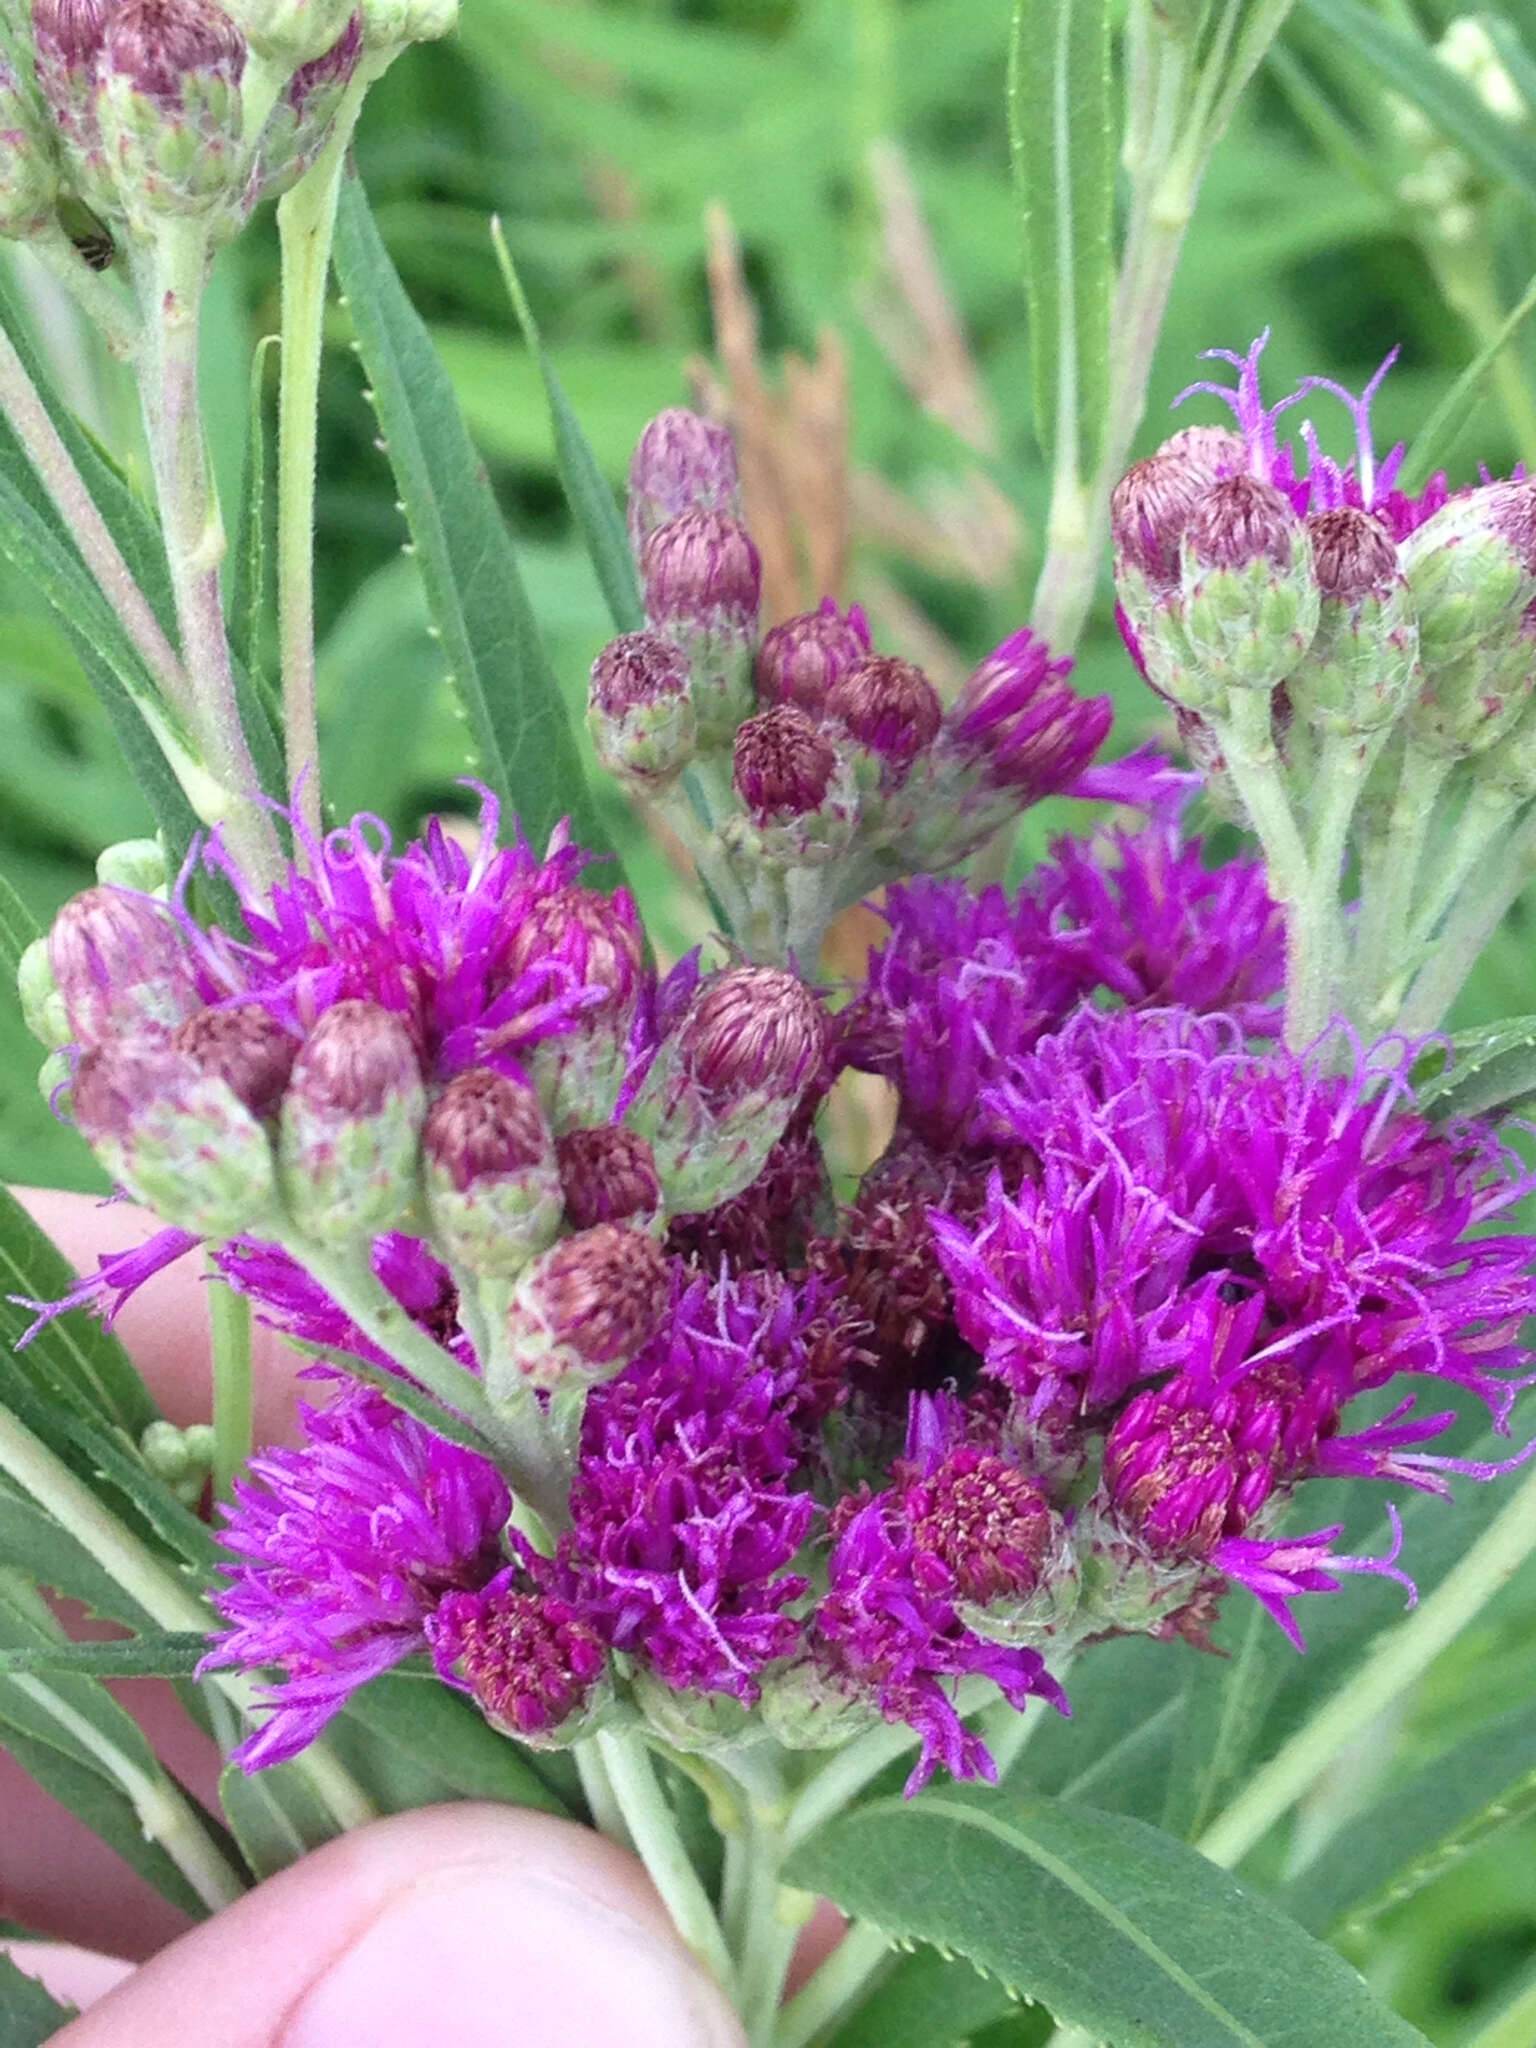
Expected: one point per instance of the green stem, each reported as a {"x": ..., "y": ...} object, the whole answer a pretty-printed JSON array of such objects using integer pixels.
[
  {"x": 1485, "y": 816},
  {"x": 1475, "y": 916},
  {"x": 1255, "y": 770},
  {"x": 103, "y": 304},
  {"x": 306, "y": 225},
  {"x": 845, "y": 1774},
  {"x": 1314, "y": 991},
  {"x": 234, "y": 1387},
  {"x": 835, "y": 1989},
  {"x": 598, "y": 1788},
  {"x": 172, "y": 278},
  {"x": 1391, "y": 880},
  {"x": 1399, "y": 1658},
  {"x": 653, "y": 1828},
  {"x": 777, "y": 1917}
]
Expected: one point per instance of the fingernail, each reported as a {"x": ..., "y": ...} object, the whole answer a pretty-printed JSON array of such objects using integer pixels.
[{"x": 489, "y": 1959}]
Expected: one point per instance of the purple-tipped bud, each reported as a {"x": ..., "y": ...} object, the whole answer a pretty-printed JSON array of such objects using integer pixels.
[
  {"x": 783, "y": 764},
  {"x": 608, "y": 1175},
  {"x": 803, "y": 657},
  {"x": 121, "y": 965},
  {"x": 177, "y": 1138},
  {"x": 1355, "y": 676},
  {"x": 29, "y": 174},
  {"x": 492, "y": 1185},
  {"x": 1240, "y": 521},
  {"x": 583, "y": 1310},
  {"x": 1248, "y": 603},
  {"x": 351, "y": 1125},
  {"x": 66, "y": 40},
  {"x": 246, "y": 1048},
  {"x": 299, "y": 126},
  {"x": 640, "y": 708},
  {"x": 169, "y": 105},
  {"x": 703, "y": 583},
  {"x": 1181, "y": 1472},
  {"x": 1472, "y": 569},
  {"x": 1023, "y": 724},
  {"x": 726, "y": 1082},
  {"x": 1150, "y": 507},
  {"x": 593, "y": 942},
  {"x": 890, "y": 708},
  {"x": 534, "y": 1668},
  {"x": 682, "y": 463}
]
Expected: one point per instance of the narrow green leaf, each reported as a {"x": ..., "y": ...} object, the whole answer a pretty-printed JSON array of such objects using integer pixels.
[
  {"x": 166, "y": 1654},
  {"x": 32, "y": 1543},
  {"x": 1115, "y": 1926},
  {"x": 1438, "y": 434},
  {"x": 417, "y": 1715},
  {"x": 1420, "y": 1829},
  {"x": 73, "y": 1358},
  {"x": 1127, "y": 1700},
  {"x": 18, "y": 928},
  {"x": 273, "y": 1816},
  {"x": 250, "y": 580},
  {"x": 468, "y": 565},
  {"x": 592, "y": 503},
  {"x": 29, "y": 2014},
  {"x": 1408, "y": 64},
  {"x": 1487, "y": 1072},
  {"x": 1221, "y": 1717},
  {"x": 1061, "y": 135}
]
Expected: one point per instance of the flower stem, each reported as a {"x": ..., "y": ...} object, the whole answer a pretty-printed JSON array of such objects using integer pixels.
[
  {"x": 1315, "y": 970},
  {"x": 234, "y": 1408},
  {"x": 1390, "y": 888},
  {"x": 638, "y": 1795},
  {"x": 103, "y": 304},
  {"x": 1485, "y": 815},
  {"x": 835, "y": 1989},
  {"x": 1476, "y": 915},
  {"x": 598, "y": 1787},
  {"x": 1401, "y": 1655},
  {"x": 306, "y": 224}
]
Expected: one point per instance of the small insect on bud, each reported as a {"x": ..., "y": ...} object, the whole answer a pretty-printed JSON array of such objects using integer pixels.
[
  {"x": 890, "y": 708},
  {"x": 703, "y": 584},
  {"x": 169, "y": 106},
  {"x": 682, "y": 463},
  {"x": 589, "y": 942},
  {"x": 178, "y": 1139},
  {"x": 727, "y": 1081},
  {"x": 1355, "y": 676},
  {"x": 802, "y": 657},
  {"x": 640, "y": 709},
  {"x": 583, "y": 1310},
  {"x": 299, "y": 125},
  {"x": 1248, "y": 602},
  {"x": 290, "y": 32},
  {"x": 121, "y": 965},
  {"x": 492, "y": 1185},
  {"x": 1472, "y": 569},
  {"x": 245, "y": 1047},
  {"x": 608, "y": 1175},
  {"x": 351, "y": 1125},
  {"x": 533, "y": 1667}
]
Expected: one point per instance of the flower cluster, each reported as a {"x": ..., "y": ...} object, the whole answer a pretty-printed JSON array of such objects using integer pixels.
[{"x": 718, "y": 1456}]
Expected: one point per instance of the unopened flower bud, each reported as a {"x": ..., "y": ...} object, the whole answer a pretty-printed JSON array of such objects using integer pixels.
[
  {"x": 803, "y": 657},
  {"x": 1150, "y": 506},
  {"x": 1355, "y": 676},
  {"x": 726, "y": 1082},
  {"x": 591, "y": 942},
  {"x": 290, "y": 32},
  {"x": 351, "y": 1125},
  {"x": 246, "y": 1048},
  {"x": 137, "y": 864},
  {"x": 797, "y": 788},
  {"x": 806, "y": 1707},
  {"x": 178, "y": 1139},
  {"x": 29, "y": 171},
  {"x": 583, "y": 1310},
  {"x": 890, "y": 708},
  {"x": 985, "y": 1536},
  {"x": 42, "y": 1006},
  {"x": 1248, "y": 604},
  {"x": 1468, "y": 706},
  {"x": 182, "y": 1458},
  {"x": 682, "y": 463},
  {"x": 121, "y": 965},
  {"x": 169, "y": 106},
  {"x": 1472, "y": 569},
  {"x": 392, "y": 24},
  {"x": 640, "y": 709},
  {"x": 608, "y": 1175},
  {"x": 534, "y": 1668},
  {"x": 488, "y": 1162},
  {"x": 299, "y": 125},
  {"x": 703, "y": 584},
  {"x": 67, "y": 37}
]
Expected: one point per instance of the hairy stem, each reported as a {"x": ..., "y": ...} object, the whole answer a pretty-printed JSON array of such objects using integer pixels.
[
  {"x": 835, "y": 1989},
  {"x": 103, "y": 304},
  {"x": 1314, "y": 983},
  {"x": 1476, "y": 915},
  {"x": 1391, "y": 887},
  {"x": 1399, "y": 1658},
  {"x": 638, "y": 1795},
  {"x": 596, "y": 1784},
  {"x": 234, "y": 1387}
]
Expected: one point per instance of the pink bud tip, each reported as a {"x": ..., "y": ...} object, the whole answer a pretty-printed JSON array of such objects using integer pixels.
[
  {"x": 699, "y": 567},
  {"x": 636, "y": 671},
  {"x": 754, "y": 1030},
  {"x": 889, "y": 706},
  {"x": 484, "y": 1124},
  {"x": 121, "y": 966},
  {"x": 1241, "y": 520},
  {"x": 1352, "y": 554},
  {"x": 801, "y": 658},
  {"x": 682, "y": 463},
  {"x": 783, "y": 764},
  {"x": 159, "y": 44},
  {"x": 246, "y": 1048},
  {"x": 603, "y": 1292},
  {"x": 357, "y": 1060},
  {"x": 608, "y": 1175}
]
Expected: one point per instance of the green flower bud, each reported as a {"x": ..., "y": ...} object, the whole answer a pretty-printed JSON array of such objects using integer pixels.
[
  {"x": 29, "y": 167},
  {"x": 290, "y": 32},
  {"x": 1472, "y": 570},
  {"x": 169, "y": 105},
  {"x": 1355, "y": 676},
  {"x": 795, "y": 780},
  {"x": 1248, "y": 605},
  {"x": 54, "y": 1079},
  {"x": 351, "y": 1125},
  {"x": 492, "y": 1182},
  {"x": 183, "y": 1458},
  {"x": 300, "y": 124},
  {"x": 1469, "y": 705},
  {"x": 389, "y": 25},
  {"x": 640, "y": 710},
  {"x": 42, "y": 1006},
  {"x": 137, "y": 864}
]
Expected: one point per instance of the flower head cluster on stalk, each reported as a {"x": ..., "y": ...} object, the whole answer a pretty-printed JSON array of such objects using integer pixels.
[{"x": 626, "y": 1416}]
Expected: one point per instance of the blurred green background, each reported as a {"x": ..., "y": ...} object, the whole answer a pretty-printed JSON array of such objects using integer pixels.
[{"x": 600, "y": 131}]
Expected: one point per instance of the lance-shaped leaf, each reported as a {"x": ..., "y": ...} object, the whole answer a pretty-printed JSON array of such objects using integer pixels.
[
  {"x": 29, "y": 2015},
  {"x": 1489, "y": 1071},
  {"x": 1113, "y": 1925}
]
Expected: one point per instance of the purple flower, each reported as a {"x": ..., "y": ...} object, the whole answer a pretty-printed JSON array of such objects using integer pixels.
[
  {"x": 524, "y": 1654},
  {"x": 347, "y": 1549},
  {"x": 686, "y": 1515}
]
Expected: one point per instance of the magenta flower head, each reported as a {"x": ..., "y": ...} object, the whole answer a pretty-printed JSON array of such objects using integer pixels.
[
  {"x": 170, "y": 108},
  {"x": 725, "y": 1083},
  {"x": 582, "y": 1310},
  {"x": 803, "y": 657},
  {"x": 890, "y": 710},
  {"x": 608, "y": 1175},
  {"x": 794, "y": 780},
  {"x": 682, "y": 463},
  {"x": 1356, "y": 674},
  {"x": 640, "y": 709},
  {"x": 121, "y": 966},
  {"x": 346, "y": 1551},
  {"x": 351, "y": 1125},
  {"x": 1020, "y": 722},
  {"x": 703, "y": 584},
  {"x": 488, "y": 1168},
  {"x": 245, "y": 1047},
  {"x": 177, "y": 1137},
  {"x": 534, "y": 1667}
]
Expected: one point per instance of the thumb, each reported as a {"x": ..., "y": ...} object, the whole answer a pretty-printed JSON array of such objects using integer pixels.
[{"x": 484, "y": 1926}]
